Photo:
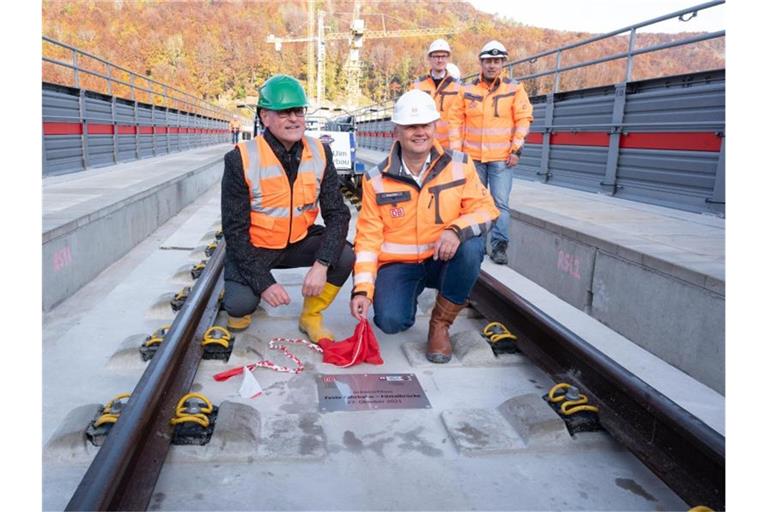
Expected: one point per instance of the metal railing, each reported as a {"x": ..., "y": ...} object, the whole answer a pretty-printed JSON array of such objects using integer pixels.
[
  {"x": 628, "y": 55},
  {"x": 141, "y": 86},
  {"x": 380, "y": 110}
]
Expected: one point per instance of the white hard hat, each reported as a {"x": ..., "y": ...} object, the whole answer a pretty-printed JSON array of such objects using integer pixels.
[
  {"x": 415, "y": 107},
  {"x": 453, "y": 70},
  {"x": 439, "y": 45},
  {"x": 493, "y": 49}
]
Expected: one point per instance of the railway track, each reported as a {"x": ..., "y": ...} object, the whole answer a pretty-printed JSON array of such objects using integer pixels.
[
  {"x": 124, "y": 471},
  {"x": 679, "y": 448},
  {"x": 683, "y": 452}
]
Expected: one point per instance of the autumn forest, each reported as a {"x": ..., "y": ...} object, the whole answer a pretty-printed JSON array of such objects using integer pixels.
[{"x": 218, "y": 50}]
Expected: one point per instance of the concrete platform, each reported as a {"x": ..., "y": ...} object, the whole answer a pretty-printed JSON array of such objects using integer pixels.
[
  {"x": 654, "y": 275},
  {"x": 94, "y": 217}
]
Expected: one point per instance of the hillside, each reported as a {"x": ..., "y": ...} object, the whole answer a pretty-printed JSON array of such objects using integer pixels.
[{"x": 218, "y": 50}]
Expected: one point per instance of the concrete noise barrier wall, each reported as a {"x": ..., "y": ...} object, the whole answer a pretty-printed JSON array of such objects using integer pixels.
[{"x": 76, "y": 252}]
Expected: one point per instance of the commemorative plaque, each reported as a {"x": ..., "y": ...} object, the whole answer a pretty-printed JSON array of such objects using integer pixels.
[{"x": 370, "y": 391}]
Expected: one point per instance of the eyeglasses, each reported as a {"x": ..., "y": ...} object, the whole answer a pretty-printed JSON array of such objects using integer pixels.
[
  {"x": 439, "y": 56},
  {"x": 297, "y": 111}
]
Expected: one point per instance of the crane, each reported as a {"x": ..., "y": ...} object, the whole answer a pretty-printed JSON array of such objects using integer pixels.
[{"x": 355, "y": 39}]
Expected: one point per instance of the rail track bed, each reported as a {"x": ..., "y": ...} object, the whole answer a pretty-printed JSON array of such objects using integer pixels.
[{"x": 480, "y": 436}]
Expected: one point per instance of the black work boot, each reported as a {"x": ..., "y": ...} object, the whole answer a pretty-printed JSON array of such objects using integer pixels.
[{"x": 499, "y": 253}]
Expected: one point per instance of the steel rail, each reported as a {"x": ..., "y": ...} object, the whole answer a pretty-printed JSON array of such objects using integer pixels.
[
  {"x": 123, "y": 474},
  {"x": 680, "y": 449}
]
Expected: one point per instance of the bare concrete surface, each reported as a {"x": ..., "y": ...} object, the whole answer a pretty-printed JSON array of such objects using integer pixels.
[{"x": 485, "y": 442}]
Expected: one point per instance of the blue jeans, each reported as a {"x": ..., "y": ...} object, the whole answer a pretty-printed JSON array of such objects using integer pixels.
[
  {"x": 399, "y": 284},
  {"x": 497, "y": 177}
]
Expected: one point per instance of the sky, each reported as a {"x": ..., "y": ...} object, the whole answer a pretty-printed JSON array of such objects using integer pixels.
[{"x": 600, "y": 16}]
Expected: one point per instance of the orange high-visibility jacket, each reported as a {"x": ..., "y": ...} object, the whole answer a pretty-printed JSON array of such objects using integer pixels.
[
  {"x": 400, "y": 221},
  {"x": 445, "y": 96},
  {"x": 279, "y": 217},
  {"x": 496, "y": 118}
]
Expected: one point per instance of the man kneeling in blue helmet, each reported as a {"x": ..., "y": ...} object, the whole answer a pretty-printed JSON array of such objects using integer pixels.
[{"x": 272, "y": 190}]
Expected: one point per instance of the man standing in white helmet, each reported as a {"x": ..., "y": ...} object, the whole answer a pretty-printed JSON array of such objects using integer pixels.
[
  {"x": 443, "y": 87},
  {"x": 494, "y": 114},
  {"x": 423, "y": 214}
]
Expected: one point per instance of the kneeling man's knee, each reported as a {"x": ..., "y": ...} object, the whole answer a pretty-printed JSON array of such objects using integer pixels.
[{"x": 391, "y": 324}]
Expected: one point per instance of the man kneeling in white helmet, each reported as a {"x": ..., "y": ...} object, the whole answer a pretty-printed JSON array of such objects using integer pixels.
[{"x": 423, "y": 214}]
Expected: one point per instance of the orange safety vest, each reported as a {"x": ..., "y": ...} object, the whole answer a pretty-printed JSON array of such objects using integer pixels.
[
  {"x": 400, "y": 221},
  {"x": 496, "y": 118},
  {"x": 445, "y": 96},
  {"x": 280, "y": 216}
]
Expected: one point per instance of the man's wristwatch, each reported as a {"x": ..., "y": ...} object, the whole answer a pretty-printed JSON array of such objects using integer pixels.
[
  {"x": 518, "y": 152},
  {"x": 323, "y": 262}
]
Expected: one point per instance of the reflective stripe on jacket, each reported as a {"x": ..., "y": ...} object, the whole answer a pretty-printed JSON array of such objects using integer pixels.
[
  {"x": 496, "y": 118},
  {"x": 400, "y": 221},
  {"x": 280, "y": 215},
  {"x": 445, "y": 96}
]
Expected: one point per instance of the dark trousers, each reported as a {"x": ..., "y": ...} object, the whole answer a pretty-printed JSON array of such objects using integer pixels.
[
  {"x": 241, "y": 300},
  {"x": 398, "y": 285}
]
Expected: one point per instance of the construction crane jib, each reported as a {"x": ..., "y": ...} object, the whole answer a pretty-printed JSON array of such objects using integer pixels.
[{"x": 355, "y": 38}]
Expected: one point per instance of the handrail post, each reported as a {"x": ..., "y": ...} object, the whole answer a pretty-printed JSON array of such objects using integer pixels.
[
  {"x": 109, "y": 79},
  {"x": 630, "y": 50},
  {"x": 549, "y": 114},
  {"x": 167, "y": 134},
  {"x": 609, "y": 185},
  {"x": 136, "y": 138},
  {"x": 154, "y": 128},
  {"x": 113, "y": 108},
  {"x": 717, "y": 201},
  {"x": 557, "y": 71},
  {"x": 75, "y": 69}
]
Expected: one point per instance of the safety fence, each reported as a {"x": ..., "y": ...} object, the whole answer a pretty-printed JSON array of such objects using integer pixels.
[
  {"x": 97, "y": 113},
  {"x": 659, "y": 141}
]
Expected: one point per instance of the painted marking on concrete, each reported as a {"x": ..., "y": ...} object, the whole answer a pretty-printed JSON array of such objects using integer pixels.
[
  {"x": 568, "y": 263},
  {"x": 62, "y": 258}
]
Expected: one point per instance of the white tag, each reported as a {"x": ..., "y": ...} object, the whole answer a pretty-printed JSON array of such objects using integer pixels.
[{"x": 250, "y": 388}]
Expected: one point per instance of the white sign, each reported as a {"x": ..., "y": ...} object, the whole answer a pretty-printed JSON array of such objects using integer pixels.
[
  {"x": 339, "y": 141},
  {"x": 250, "y": 388}
]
